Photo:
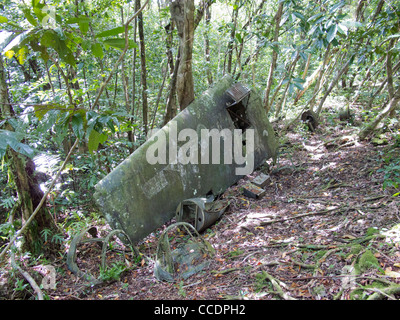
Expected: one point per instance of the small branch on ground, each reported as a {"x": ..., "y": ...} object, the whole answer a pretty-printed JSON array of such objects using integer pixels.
[{"x": 278, "y": 286}]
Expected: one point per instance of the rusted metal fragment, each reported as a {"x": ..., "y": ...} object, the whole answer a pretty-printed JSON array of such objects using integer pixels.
[
  {"x": 252, "y": 191},
  {"x": 311, "y": 119},
  {"x": 238, "y": 92},
  {"x": 186, "y": 259},
  {"x": 261, "y": 180},
  {"x": 200, "y": 212}
]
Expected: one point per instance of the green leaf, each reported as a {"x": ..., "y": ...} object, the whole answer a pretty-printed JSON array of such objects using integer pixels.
[
  {"x": 275, "y": 46},
  {"x": 119, "y": 43},
  {"x": 332, "y": 32},
  {"x": 342, "y": 29},
  {"x": 39, "y": 13},
  {"x": 313, "y": 30},
  {"x": 77, "y": 125},
  {"x": 9, "y": 54},
  {"x": 92, "y": 117},
  {"x": 86, "y": 45},
  {"x": 51, "y": 39},
  {"x": 46, "y": 233},
  {"x": 299, "y": 16},
  {"x": 97, "y": 50},
  {"x": 83, "y": 23},
  {"x": 23, "y": 149},
  {"x": 40, "y": 111},
  {"x": 239, "y": 38},
  {"x": 35, "y": 3},
  {"x": 95, "y": 139},
  {"x": 298, "y": 85},
  {"x": 72, "y": 21},
  {"x": 314, "y": 17},
  {"x": 29, "y": 17},
  {"x": 21, "y": 40},
  {"x": 298, "y": 80},
  {"x": 336, "y": 6},
  {"x": 22, "y": 54},
  {"x": 93, "y": 142},
  {"x": 303, "y": 56},
  {"x": 112, "y": 32},
  {"x": 12, "y": 139},
  {"x": 103, "y": 119},
  {"x": 285, "y": 17},
  {"x": 3, "y": 19},
  {"x": 352, "y": 24},
  {"x": 108, "y": 121}
]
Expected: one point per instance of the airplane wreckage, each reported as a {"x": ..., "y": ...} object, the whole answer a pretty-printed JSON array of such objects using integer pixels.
[
  {"x": 139, "y": 197},
  {"x": 181, "y": 169}
]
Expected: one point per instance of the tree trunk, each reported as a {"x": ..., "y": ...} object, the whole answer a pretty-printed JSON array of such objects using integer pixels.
[
  {"x": 131, "y": 133},
  {"x": 370, "y": 127},
  {"x": 182, "y": 11},
  {"x": 282, "y": 101},
  {"x": 367, "y": 77},
  {"x": 308, "y": 82},
  {"x": 379, "y": 7},
  {"x": 168, "y": 41},
  {"x": 254, "y": 55},
  {"x": 321, "y": 71},
  {"x": 207, "y": 46},
  {"x": 389, "y": 72},
  {"x": 171, "y": 102},
  {"x": 278, "y": 17},
  {"x": 306, "y": 67},
  {"x": 360, "y": 10},
  {"x": 143, "y": 67},
  {"x": 383, "y": 85},
  {"x": 124, "y": 77},
  {"x": 319, "y": 79},
  {"x": 173, "y": 71},
  {"x": 186, "y": 21},
  {"x": 23, "y": 170},
  {"x": 334, "y": 82},
  {"x": 232, "y": 37}
]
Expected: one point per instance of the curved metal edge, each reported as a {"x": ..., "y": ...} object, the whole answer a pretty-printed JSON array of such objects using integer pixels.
[
  {"x": 71, "y": 254},
  {"x": 158, "y": 268},
  {"x": 105, "y": 245}
]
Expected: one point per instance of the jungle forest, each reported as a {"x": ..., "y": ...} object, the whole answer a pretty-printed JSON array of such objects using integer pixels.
[{"x": 85, "y": 83}]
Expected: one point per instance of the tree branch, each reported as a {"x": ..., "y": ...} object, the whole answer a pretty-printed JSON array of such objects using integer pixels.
[
  {"x": 121, "y": 57},
  {"x": 41, "y": 201}
]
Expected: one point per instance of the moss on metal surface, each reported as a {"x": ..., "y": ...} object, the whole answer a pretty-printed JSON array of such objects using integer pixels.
[{"x": 139, "y": 197}]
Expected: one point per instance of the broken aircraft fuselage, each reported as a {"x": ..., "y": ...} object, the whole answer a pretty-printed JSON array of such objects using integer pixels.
[{"x": 219, "y": 138}]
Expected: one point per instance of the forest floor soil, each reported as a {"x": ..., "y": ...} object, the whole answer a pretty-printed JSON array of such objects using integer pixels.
[{"x": 323, "y": 209}]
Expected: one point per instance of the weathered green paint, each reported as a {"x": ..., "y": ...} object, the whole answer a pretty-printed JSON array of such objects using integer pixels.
[{"x": 138, "y": 197}]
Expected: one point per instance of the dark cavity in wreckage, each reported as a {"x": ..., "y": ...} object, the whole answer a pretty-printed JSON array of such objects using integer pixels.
[{"x": 170, "y": 175}]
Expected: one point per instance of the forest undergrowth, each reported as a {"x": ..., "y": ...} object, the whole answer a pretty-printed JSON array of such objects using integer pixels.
[{"x": 326, "y": 228}]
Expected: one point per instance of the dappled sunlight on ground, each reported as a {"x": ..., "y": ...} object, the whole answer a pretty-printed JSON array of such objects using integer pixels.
[{"x": 324, "y": 207}]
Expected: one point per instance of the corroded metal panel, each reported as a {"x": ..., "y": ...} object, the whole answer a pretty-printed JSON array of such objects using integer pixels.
[
  {"x": 238, "y": 92},
  {"x": 143, "y": 192}
]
